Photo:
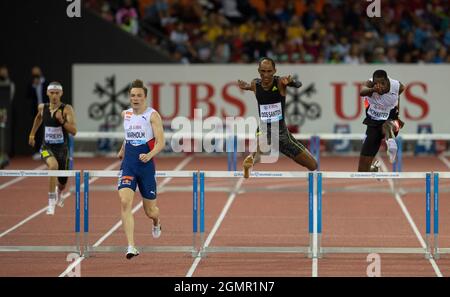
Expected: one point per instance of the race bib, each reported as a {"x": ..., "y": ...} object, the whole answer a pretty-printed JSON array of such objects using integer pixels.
[
  {"x": 135, "y": 135},
  {"x": 378, "y": 113},
  {"x": 54, "y": 135},
  {"x": 271, "y": 112}
]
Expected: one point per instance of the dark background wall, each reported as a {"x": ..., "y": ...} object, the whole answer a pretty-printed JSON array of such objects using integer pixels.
[{"x": 39, "y": 32}]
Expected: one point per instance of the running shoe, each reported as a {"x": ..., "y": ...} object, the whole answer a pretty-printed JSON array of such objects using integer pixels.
[
  {"x": 51, "y": 210},
  {"x": 391, "y": 149},
  {"x": 61, "y": 196},
  {"x": 131, "y": 252},
  {"x": 156, "y": 230}
]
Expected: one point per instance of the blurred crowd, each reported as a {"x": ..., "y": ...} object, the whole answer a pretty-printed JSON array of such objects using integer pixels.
[{"x": 289, "y": 31}]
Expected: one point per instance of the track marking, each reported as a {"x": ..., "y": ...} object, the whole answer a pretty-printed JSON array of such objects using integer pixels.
[
  {"x": 315, "y": 243},
  {"x": 409, "y": 218},
  {"x": 219, "y": 220},
  {"x": 65, "y": 195},
  {"x": 444, "y": 160},
  {"x": 20, "y": 178},
  {"x": 315, "y": 267},
  {"x": 119, "y": 223}
]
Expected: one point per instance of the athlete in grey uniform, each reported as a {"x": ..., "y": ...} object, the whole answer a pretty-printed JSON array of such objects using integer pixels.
[{"x": 270, "y": 92}]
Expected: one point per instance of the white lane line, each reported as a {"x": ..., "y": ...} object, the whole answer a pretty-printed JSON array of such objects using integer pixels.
[
  {"x": 409, "y": 218},
  {"x": 18, "y": 179},
  {"x": 315, "y": 267},
  {"x": 444, "y": 160},
  {"x": 315, "y": 247},
  {"x": 65, "y": 195},
  {"x": 119, "y": 223},
  {"x": 216, "y": 225}
]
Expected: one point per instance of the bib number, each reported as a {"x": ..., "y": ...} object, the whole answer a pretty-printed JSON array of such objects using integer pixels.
[
  {"x": 271, "y": 112},
  {"x": 54, "y": 135}
]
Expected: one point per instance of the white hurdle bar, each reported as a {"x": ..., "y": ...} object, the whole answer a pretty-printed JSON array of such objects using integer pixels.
[
  {"x": 154, "y": 249},
  {"x": 49, "y": 173},
  {"x": 312, "y": 202},
  {"x": 436, "y": 249},
  {"x": 378, "y": 175}
]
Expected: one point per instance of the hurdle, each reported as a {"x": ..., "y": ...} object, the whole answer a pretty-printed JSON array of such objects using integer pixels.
[
  {"x": 89, "y": 249},
  {"x": 76, "y": 248},
  {"x": 378, "y": 175},
  {"x": 309, "y": 250},
  {"x": 437, "y": 251}
]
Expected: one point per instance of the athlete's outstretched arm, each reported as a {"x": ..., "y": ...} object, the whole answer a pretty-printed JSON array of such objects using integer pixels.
[
  {"x": 247, "y": 86},
  {"x": 36, "y": 124},
  {"x": 158, "y": 131},
  {"x": 289, "y": 81}
]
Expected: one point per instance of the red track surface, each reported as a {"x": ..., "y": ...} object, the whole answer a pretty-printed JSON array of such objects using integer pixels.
[{"x": 260, "y": 215}]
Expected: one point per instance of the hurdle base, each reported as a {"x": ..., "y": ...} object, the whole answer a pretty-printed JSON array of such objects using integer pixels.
[
  {"x": 369, "y": 250},
  {"x": 40, "y": 248},
  {"x": 439, "y": 251},
  {"x": 142, "y": 249},
  {"x": 436, "y": 249},
  {"x": 250, "y": 249}
]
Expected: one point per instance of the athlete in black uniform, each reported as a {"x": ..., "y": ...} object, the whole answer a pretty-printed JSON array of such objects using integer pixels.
[
  {"x": 270, "y": 93},
  {"x": 58, "y": 120},
  {"x": 382, "y": 95}
]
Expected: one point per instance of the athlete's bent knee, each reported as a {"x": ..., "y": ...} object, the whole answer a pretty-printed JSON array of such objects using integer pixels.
[{"x": 53, "y": 166}]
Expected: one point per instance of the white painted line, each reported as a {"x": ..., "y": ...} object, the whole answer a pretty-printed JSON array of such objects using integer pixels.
[
  {"x": 444, "y": 160},
  {"x": 24, "y": 221},
  {"x": 409, "y": 218},
  {"x": 65, "y": 195},
  {"x": 217, "y": 224},
  {"x": 119, "y": 223},
  {"x": 315, "y": 267},
  {"x": 315, "y": 247},
  {"x": 18, "y": 179}
]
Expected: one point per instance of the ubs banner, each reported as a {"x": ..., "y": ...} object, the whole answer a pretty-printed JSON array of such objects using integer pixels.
[{"x": 328, "y": 98}]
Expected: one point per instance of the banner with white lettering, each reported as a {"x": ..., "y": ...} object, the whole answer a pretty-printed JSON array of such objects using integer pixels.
[{"x": 329, "y": 95}]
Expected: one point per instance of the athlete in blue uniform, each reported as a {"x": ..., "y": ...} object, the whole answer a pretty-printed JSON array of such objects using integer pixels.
[{"x": 144, "y": 138}]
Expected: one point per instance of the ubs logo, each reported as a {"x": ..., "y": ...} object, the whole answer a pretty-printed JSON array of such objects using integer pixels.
[
  {"x": 297, "y": 109},
  {"x": 110, "y": 109}
]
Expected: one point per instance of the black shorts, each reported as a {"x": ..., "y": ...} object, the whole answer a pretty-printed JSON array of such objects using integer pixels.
[
  {"x": 288, "y": 145},
  {"x": 60, "y": 153},
  {"x": 374, "y": 136}
]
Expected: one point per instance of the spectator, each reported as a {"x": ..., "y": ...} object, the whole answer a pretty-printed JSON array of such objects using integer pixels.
[
  {"x": 311, "y": 31},
  {"x": 222, "y": 53},
  {"x": 231, "y": 12},
  {"x": 180, "y": 38},
  {"x": 354, "y": 55},
  {"x": 157, "y": 14},
  {"x": 127, "y": 18},
  {"x": 203, "y": 49},
  {"x": 441, "y": 56},
  {"x": 105, "y": 12}
]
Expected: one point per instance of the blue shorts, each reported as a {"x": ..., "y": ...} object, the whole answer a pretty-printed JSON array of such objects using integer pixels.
[{"x": 136, "y": 173}]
